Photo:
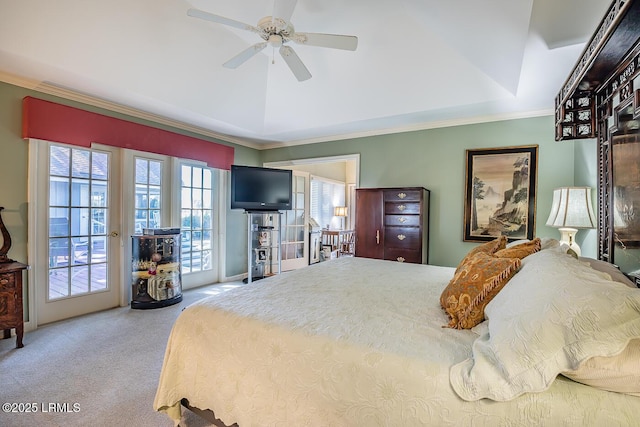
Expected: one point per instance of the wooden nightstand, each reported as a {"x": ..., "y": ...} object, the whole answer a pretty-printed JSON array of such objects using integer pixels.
[{"x": 11, "y": 300}]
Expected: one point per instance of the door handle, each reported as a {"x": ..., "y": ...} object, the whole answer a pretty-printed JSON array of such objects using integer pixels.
[
  {"x": 114, "y": 234},
  {"x": 377, "y": 237}
]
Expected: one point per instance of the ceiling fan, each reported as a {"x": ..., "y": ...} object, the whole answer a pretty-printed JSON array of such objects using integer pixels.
[{"x": 277, "y": 31}]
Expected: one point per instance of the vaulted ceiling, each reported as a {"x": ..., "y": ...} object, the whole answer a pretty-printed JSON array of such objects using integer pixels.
[{"x": 418, "y": 64}]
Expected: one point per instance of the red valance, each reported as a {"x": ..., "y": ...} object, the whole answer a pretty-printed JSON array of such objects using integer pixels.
[{"x": 60, "y": 123}]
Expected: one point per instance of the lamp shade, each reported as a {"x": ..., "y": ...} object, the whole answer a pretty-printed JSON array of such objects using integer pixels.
[
  {"x": 572, "y": 208},
  {"x": 340, "y": 211}
]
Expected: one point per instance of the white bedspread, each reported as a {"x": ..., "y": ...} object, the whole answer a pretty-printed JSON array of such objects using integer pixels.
[{"x": 349, "y": 342}]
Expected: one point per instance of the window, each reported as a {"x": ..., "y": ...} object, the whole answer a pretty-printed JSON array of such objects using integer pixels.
[
  {"x": 325, "y": 195},
  {"x": 148, "y": 185},
  {"x": 78, "y": 211},
  {"x": 196, "y": 213}
]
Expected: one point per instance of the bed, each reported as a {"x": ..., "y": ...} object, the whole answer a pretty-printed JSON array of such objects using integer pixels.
[{"x": 364, "y": 342}]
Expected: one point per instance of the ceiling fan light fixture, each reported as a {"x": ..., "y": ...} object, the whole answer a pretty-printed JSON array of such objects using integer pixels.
[{"x": 275, "y": 40}]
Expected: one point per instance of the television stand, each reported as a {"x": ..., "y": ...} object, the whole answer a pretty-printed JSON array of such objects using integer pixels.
[{"x": 263, "y": 244}]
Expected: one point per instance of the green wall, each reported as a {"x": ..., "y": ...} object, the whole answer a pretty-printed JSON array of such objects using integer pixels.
[
  {"x": 14, "y": 157},
  {"x": 435, "y": 159},
  {"x": 586, "y": 174}
]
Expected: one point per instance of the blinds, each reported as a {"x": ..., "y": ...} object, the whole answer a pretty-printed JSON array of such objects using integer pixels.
[{"x": 325, "y": 195}]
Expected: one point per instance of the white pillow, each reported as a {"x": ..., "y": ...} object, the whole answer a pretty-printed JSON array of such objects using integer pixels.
[
  {"x": 553, "y": 315},
  {"x": 610, "y": 269},
  {"x": 619, "y": 373}
]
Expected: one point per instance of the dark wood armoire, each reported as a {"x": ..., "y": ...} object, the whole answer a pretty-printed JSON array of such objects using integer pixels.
[{"x": 392, "y": 224}]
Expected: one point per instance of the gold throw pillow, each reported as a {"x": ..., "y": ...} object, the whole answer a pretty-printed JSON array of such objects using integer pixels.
[
  {"x": 520, "y": 251},
  {"x": 488, "y": 248},
  {"x": 473, "y": 285}
]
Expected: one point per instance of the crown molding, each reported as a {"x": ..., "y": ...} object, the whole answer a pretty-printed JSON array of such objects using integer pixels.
[
  {"x": 71, "y": 95},
  {"x": 416, "y": 127}
]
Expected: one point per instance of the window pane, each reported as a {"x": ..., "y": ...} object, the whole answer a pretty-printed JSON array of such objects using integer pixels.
[
  {"x": 197, "y": 178},
  {"x": 155, "y": 173},
  {"x": 186, "y": 176},
  {"x": 80, "y": 163},
  {"x": 207, "y": 180},
  {"x": 142, "y": 171},
  {"x": 99, "y": 166},
  {"x": 154, "y": 219},
  {"x": 99, "y": 277},
  {"x": 206, "y": 219},
  {"x": 186, "y": 197},
  {"x": 80, "y": 221},
  {"x": 206, "y": 199},
  {"x": 141, "y": 197},
  {"x": 196, "y": 194},
  {"x": 59, "y": 161},
  {"x": 154, "y": 197},
  {"x": 59, "y": 191},
  {"x": 80, "y": 192},
  {"x": 186, "y": 219},
  {"x": 80, "y": 286},
  {"x": 58, "y": 222},
  {"x": 196, "y": 219},
  {"x": 98, "y": 249},
  {"x": 98, "y": 218},
  {"x": 98, "y": 194}
]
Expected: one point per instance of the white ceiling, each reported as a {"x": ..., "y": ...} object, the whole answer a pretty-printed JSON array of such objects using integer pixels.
[{"x": 419, "y": 63}]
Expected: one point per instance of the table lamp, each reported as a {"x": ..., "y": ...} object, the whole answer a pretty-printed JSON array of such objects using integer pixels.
[
  {"x": 340, "y": 211},
  {"x": 571, "y": 210}
]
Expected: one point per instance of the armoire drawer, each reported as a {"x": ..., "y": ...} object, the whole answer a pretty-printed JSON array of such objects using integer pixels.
[
  {"x": 402, "y": 237},
  {"x": 402, "y": 220},
  {"x": 403, "y": 255},
  {"x": 401, "y": 195},
  {"x": 402, "y": 208}
]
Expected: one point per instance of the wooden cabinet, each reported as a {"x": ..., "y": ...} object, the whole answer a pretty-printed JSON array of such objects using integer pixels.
[
  {"x": 11, "y": 300},
  {"x": 393, "y": 224}
]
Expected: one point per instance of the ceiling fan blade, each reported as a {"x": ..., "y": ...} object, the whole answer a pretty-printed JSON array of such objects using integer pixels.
[
  {"x": 245, "y": 55},
  {"x": 283, "y": 9},
  {"x": 333, "y": 41},
  {"x": 295, "y": 63},
  {"x": 221, "y": 20}
]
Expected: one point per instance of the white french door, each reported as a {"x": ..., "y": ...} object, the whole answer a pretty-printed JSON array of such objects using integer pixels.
[
  {"x": 77, "y": 230},
  {"x": 294, "y": 227}
]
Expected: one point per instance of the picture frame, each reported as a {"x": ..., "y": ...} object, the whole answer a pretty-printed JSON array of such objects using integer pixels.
[
  {"x": 261, "y": 255},
  {"x": 500, "y": 193},
  {"x": 326, "y": 252}
]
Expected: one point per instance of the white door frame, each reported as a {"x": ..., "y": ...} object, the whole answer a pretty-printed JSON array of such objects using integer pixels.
[{"x": 37, "y": 254}]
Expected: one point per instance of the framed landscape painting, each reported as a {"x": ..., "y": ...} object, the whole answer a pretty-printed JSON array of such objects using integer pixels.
[{"x": 500, "y": 193}]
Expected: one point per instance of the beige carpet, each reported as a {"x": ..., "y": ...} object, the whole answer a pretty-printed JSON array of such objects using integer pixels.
[{"x": 101, "y": 368}]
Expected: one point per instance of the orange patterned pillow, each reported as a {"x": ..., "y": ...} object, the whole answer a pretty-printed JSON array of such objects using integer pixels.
[
  {"x": 520, "y": 251},
  {"x": 488, "y": 248},
  {"x": 473, "y": 285}
]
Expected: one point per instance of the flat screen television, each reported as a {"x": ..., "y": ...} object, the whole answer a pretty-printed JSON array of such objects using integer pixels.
[{"x": 260, "y": 189}]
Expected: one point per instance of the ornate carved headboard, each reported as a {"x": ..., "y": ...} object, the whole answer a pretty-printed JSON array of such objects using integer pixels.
[{"x": 601, "y": 99}]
